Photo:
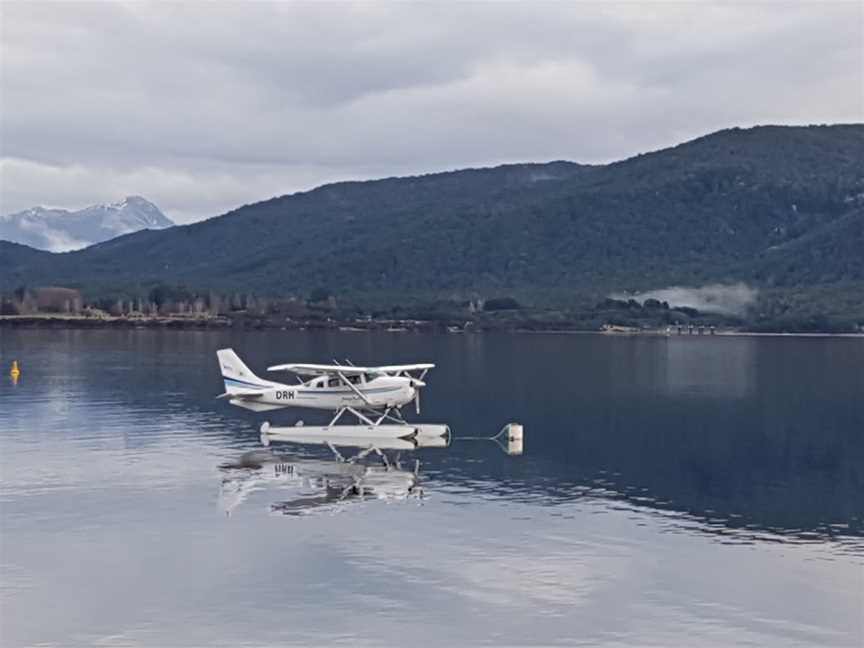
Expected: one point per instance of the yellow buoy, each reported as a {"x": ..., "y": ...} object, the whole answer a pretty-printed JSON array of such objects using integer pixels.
[{"x": 15, "y": 372}]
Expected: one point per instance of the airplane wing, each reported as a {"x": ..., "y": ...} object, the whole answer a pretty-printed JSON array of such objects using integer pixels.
[
  {"x": 320, "y": 369},
  {"x": 389, "y": 369},
  {"x": 335, "y": 370}
]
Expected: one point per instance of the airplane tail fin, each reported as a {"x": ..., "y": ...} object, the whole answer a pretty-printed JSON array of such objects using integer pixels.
[{"x": 238, "y": 378}]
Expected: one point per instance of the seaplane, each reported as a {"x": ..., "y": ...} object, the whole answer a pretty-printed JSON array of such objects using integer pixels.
[{"x": 374, "y": 396}]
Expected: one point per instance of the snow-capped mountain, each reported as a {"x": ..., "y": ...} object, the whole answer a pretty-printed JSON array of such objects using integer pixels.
[{"x": 60, "y": 230}]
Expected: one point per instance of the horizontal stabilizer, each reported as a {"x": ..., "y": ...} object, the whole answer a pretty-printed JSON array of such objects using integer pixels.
[{"x": 242, "y": 394}]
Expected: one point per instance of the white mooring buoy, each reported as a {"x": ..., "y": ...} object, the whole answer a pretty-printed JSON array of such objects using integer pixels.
[
  {"x": 514, "y": 431},
  {"x": 514, "y": 434},
  {"x": 510, "y": 438}
]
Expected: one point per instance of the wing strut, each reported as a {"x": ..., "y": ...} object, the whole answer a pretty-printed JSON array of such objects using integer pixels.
[{"x": 352, "y": 387}]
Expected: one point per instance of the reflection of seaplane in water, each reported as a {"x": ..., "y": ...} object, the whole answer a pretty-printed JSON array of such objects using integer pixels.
[
  {"x": 373, "y": 395},
  {"x": 316, "y": 484}
]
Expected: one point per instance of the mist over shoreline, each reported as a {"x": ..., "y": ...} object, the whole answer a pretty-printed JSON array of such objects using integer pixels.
[{"x": 722, "y": 299}]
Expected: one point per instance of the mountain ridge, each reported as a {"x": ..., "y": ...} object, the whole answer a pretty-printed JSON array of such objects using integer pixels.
[
  {"x": 728, "y": 206},
  {"x": 62, "y": 230}
]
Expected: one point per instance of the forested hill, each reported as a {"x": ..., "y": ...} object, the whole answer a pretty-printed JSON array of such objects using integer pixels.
[{"x": 779, "y": 207}]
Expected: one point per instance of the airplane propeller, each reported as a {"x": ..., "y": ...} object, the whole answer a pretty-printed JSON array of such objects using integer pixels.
[{"x": 416, "y": 383}]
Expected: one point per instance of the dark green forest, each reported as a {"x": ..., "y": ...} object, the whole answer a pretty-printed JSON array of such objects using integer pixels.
[{"x": 778, "y": 208}]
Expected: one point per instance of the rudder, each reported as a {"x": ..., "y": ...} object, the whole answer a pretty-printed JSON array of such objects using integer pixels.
[{"x": 238, "y": 377}]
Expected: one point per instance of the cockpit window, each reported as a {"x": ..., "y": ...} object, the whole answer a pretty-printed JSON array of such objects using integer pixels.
[{"x": 333, "y": 382}]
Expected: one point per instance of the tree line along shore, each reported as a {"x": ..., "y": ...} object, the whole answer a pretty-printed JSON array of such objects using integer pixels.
[{"x": 66, "y": 308}]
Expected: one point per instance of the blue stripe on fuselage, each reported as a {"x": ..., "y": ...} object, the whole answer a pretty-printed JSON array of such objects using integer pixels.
[{"x": 243, "y": 383}]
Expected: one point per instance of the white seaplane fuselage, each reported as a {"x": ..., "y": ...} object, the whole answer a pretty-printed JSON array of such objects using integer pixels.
[{"x": 323, "y": 392}]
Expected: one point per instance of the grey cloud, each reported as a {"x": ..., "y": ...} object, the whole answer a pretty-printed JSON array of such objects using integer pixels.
[{"x": 211, "y": 104}]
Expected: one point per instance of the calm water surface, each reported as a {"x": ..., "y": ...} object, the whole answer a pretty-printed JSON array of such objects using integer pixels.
[{"x": 678, "y": 492}]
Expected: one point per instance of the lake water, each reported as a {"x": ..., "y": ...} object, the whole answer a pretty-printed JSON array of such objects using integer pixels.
[{"x": 677, "y": 492}]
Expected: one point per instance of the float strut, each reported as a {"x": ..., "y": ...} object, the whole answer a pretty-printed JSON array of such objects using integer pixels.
[{"x": 339, "y": 457}]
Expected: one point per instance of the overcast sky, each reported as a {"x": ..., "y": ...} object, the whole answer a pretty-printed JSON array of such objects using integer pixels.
[{"x": 204, "y": 107}]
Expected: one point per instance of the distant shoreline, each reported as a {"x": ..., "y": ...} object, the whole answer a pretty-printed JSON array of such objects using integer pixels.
[
  {"x": 77, "y": 322},
  {"x": 55, "y": 320}
]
